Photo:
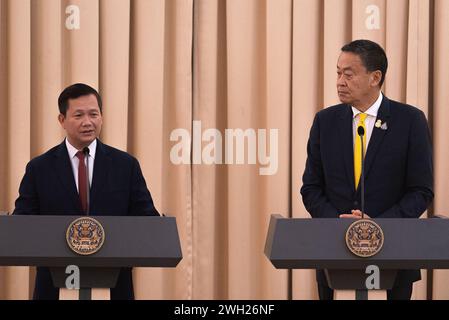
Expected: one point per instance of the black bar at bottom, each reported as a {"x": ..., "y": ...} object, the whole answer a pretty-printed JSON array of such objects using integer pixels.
[
  {"x": 85, "y": 294},
  {"x": 359, "y": 294}
]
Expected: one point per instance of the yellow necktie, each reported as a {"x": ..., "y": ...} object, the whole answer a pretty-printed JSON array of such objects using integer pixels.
[{"x": 358, "y": 149}]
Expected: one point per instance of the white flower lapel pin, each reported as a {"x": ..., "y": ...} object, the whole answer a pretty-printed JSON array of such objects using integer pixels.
[{"x": 380, "y": 125}]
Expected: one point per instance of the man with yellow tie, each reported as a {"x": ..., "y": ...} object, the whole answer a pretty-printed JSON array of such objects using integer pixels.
[{"x": 398, "y": 172}]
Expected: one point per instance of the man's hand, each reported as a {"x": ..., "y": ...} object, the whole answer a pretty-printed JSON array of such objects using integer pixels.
[{"x": 355, "y": 214}]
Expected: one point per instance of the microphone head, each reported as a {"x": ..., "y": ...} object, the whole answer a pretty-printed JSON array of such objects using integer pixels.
[
  {"x": 86, "y": 150},
  {"x": 360, "y": 131}
]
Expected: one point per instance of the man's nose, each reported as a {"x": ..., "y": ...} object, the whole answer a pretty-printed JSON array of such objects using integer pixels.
[
  {"x": 86, "y": 121},
  {"x": 340, "y": 81}
]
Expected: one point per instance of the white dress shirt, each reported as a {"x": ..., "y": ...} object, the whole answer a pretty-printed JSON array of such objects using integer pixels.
[
  {"x": 75, "y": 161},
  {"x": 369, "y": 121}
]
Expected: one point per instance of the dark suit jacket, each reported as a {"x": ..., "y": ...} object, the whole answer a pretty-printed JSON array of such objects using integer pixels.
[
  {"x": 118, "y": 188},
  {"x": 398, "y": 168}
]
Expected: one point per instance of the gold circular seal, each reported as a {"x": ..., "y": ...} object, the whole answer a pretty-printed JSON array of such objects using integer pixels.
[
  {"x": 85, "y": 236},
  {"x": 364, "y": 238}
]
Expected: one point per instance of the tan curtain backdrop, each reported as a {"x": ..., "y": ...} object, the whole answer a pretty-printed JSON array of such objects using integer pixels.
[{"x": 206, "y": 66}]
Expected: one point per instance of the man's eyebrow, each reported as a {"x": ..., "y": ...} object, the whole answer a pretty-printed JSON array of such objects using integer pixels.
[
  {"x": 88, "y": 109},
  {"x": 344, "y": 69}
]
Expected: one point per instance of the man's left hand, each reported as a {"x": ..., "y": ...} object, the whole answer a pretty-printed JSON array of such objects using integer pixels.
[{"x": 355, "y": 214}]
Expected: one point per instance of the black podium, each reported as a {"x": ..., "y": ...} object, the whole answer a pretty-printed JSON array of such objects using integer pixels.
[
  {"x": 320, "y": 244},
  {"x": 144, "y": 241}
]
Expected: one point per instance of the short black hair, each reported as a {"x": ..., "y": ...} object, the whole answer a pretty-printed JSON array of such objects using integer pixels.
[
  {"x": 372, "y": 55},
  {"x": 75, "y": 91}
]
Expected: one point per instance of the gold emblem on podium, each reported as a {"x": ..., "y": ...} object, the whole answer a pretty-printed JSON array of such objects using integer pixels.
[
  {"x": 364, "y": 238},
  {"x": 85, "y": 236}
]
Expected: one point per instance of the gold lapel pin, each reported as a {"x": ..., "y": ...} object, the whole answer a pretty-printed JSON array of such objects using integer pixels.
[{"x": 378, "y": 123}]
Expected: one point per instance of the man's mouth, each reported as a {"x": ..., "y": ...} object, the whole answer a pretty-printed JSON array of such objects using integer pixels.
[
  {"x": 343, "y": 95},
  {"x": 87, "y": 132}
]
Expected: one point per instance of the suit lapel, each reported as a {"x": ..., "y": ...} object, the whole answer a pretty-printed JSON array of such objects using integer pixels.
[
  {"x": 65, "y": 173},
  {"x": 378, "y": 134},
  {"x": 102, "y": 165},
  {"x": 346, "y": 134}
]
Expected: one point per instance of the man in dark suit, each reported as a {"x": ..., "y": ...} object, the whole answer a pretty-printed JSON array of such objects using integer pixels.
[
  {"x": 55, "y": 183},
  {"x": 398, "y": 162}
]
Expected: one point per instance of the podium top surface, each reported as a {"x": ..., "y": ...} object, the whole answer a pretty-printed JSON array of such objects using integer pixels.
[
  {"x": 144, "y": 241},
  {"x": 320, "y": 244}
]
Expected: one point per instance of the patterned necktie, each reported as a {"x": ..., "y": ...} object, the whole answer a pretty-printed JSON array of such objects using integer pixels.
[
  {"x": 82, "y": 184},
  {"x": 358, "y": 150}
]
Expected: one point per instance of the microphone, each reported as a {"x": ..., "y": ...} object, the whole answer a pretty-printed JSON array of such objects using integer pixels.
[
  {"x": 361, "y": 133},
  {"x": 86, "y": 155}
]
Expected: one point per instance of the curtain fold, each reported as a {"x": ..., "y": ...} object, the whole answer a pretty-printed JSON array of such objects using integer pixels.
[{"x": 440, "y": 112}]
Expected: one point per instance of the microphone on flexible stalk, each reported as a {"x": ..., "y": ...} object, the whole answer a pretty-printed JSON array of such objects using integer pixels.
[
  {"x": 86, "y": 155},
  {"x": 361, "y": 133}
]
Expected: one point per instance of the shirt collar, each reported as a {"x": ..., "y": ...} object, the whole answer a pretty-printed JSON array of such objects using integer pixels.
[
  {"x": 372, "y": 111},
  {"x": 72, "y": 150}
]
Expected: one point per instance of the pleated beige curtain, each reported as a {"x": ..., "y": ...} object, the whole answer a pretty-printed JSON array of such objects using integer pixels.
[{"x": 211, "y": 64}]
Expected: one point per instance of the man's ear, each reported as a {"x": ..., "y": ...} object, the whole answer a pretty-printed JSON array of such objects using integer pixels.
[
  {"x": 376, "y": 77},
  {"x": 61, "y": 119}
]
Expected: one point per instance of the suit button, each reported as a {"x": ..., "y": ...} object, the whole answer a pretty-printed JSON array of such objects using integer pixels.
[{"x": 356, "y": 203}]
